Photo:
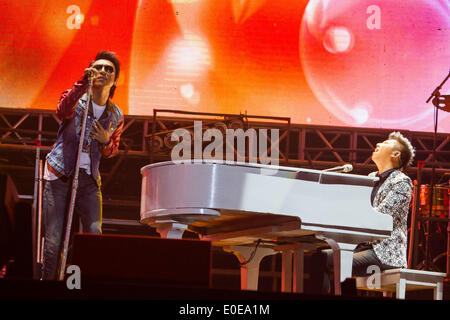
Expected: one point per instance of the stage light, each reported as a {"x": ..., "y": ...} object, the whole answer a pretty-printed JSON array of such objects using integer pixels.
[
  {"x": 222, "y": 127},
  {"x": 156, "y": 143},
  {"x": 187, "y": 90},
  {"x": 168, "y": 141},
  {"x": 189, "y": 54},
  {"x": 236, "y": 124}
]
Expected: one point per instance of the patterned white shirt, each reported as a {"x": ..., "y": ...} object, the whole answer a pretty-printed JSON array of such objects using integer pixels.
[{"x": 393, "y": 198}]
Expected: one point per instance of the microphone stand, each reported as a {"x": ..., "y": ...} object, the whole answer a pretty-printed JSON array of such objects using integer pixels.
[
  {"x": 75, "y": 184},
  {"x": 322, "y": 171},
  {"x": 343, "y": 168},
  {"x": 436, "y": 93},
  {"x": 425, "y": 264}
]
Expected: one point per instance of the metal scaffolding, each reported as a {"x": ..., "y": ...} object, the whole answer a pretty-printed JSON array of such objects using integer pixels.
[
  {"x": 24, "y": 131},
  {"x": 28, "y": 135}
]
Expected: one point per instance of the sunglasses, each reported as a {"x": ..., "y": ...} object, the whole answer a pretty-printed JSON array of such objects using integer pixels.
[{"x": 100, "y": 67}]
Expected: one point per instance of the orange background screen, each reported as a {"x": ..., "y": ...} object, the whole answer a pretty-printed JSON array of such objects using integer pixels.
[{"x": 327, "y": 62}]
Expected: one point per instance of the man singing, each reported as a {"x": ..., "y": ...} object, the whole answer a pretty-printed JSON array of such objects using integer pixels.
[
  {"x": 103, "y": 129},
  {"x": 391, "y": 195}
]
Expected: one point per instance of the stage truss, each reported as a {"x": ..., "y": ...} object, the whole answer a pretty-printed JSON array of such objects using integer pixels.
[
  {"x": 300, "y": 145},
  {"x": 28, "y": 135}
]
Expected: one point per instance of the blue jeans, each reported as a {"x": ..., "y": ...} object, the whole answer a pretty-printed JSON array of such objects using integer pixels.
[{"x": 56, "y": 201}]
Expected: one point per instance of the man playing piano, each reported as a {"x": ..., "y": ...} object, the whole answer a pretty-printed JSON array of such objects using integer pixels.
[{"x": 391, "y": 195}]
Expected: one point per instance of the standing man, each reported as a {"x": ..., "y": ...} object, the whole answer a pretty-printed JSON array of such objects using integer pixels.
[
  {"x": 103, "y": 129},
  {"x": 391, "y": 195}
]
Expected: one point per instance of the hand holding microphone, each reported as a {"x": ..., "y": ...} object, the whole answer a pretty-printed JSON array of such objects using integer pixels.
[{"x": 91, "y": 73}]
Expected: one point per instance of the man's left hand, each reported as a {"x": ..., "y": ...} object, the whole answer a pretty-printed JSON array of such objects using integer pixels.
[{"x": 100, "y": 134}]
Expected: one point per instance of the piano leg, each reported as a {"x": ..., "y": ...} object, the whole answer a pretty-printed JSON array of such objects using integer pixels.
[
  {"x": 342, "y": 263},
  {"x": 286, "y": 270},
  {"x": 170, "y": 230},
  {"x": 298, "y": 270},
  {"x": 249, "y": 271},
  {"x": 292, "y": 270},
  {"x": 292, "y": 266}
]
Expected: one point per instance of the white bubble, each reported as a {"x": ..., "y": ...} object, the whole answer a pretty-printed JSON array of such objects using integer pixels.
[
  {"x": 360, "y": 115},
  {"x": 338, "y": 40},
  {"x": 187, "y": 90}
]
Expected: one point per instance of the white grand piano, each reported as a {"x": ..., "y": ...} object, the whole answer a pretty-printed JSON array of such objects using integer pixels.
[{"x": 255, "y": 210}]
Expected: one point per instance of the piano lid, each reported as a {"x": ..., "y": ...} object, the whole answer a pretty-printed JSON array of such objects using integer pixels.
[{"x": 281, "y": 171}]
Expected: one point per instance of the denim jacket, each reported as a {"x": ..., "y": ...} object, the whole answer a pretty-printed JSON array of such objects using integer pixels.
[{"x": 71, "y": 108}]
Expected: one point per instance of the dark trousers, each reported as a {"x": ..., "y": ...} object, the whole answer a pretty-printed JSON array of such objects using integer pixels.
[
  {"x": 56, "y": 201},
  {"x": 362, "y": 260}
]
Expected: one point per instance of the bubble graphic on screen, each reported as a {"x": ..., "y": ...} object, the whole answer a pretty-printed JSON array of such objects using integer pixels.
[
  {"x": 390, "y": 56},
  {"x": 360, "y": 115},
  {"x": 187, "y": 90},
  {"x": 338, "y": 39}
]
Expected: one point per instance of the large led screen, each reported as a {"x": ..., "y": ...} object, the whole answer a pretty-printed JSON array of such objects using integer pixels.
[{"x": 364, "y": 63}]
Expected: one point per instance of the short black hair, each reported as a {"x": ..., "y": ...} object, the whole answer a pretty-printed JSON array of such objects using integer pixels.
[
  {"x": 111, "y": 56},
  {"x": 406, "y": 149}
]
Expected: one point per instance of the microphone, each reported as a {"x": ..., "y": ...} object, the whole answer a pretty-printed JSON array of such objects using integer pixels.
[
  {"x": 91, "y": 74},
  {"x": 345, "y": 168}
]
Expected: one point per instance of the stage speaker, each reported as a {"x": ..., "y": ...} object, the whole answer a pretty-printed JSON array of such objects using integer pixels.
[
  {"x": 8, "y": 199},
  {"x": 143, "y": 259},
  {"x": 22, "y": 242}
]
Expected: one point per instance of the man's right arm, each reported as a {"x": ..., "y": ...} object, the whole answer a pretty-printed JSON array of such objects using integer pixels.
[
  {"x": 399, "y": 195},
  {"x": 69, "y": 98}
]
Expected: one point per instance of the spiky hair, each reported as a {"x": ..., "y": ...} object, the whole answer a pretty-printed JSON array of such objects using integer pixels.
[{"x": 406, "y": 149}]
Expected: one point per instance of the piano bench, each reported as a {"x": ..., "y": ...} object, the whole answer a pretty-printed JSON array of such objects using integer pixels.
[{"x": 402, "y": 280}]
